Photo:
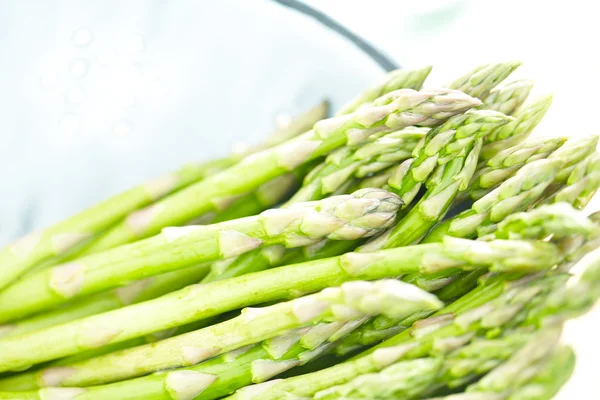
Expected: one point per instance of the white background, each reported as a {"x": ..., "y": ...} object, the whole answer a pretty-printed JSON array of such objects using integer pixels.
[{"x": 558, "y": 44}]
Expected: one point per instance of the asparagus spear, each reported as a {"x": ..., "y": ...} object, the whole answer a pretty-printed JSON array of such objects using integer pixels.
[
  {"x": 359, "y": 161},
  {"x": 392, "y": 111},
  {"x": 546, "y": 384},
  {"x": 440, "y": 146},
  {"x": 403, "y": 380},
  {"x": 454, "y": 147},
  {"x": 430, "y": 337},
  {"x": 268, "y": 195},
  {"x": 394, "y": 80},
  {"x": 492, "y": 306},
  {"x": 513, "y": 195},
  {"x": 526, "y": 119},
  {"x": 519, "y": 371},
  {"x": 58, "y": 239},
  {"x": 324, "y": 179},
  {"x": 506, "y": 163},
  {"x": 353, "y": 300},
  {"x": 457, "y": 163},
  {"x": 136, "y": 292},
  {"x": 566, "y": 156},
  {"x": 411, "y": 379},
  {"x": 197, "y": 302},
  {"x": 232, "y": 370},
  {"x": 561, "y": 220},
  {"x": 348, "y": 217},
  {"x": 221, "y": 375},
  {"x": 574, "y": 152},
  {"x": 508, "y": 98},
  {"x": 481, "y": 80},
  {"x": 581, "y": 185}
]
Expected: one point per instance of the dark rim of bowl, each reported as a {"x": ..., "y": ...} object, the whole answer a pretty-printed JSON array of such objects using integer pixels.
[{"x": 377, "y": 55}]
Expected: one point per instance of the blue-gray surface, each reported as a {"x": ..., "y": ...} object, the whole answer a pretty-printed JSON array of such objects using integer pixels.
[{"x": 98, "y": 96}]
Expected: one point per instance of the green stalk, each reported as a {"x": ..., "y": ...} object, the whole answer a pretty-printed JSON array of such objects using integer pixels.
[
  {"x": 201, "y": 301},
  {"x": 327, "y": 178},
  {"x": 412, "y": 379},
  {"x": 513, "y": 195},
  {"x": 560, "y": 220},
  {"x": 480, "y": 81},
  {"x": 351, "y": 301},
  {"x": 550, "y": 379},
  {"x": 494, "y": 307},
  {"x": 136, "y": 292},
  {"x": 506, "y": 163},
  {"x": 522, "y": 369},
  {"x": 509, "y": 97},
  {"x": 359, "y": 161},
  {"x": 436, "y": 336},
  {"x": 581, "y": 185},
  {"x": 394, "y": 80},
  {"x": 526, "y": 119},
  {"x": 268, "y": 195},
  {"x": 347, "y": 217},
  {"x": 440, "y": 146},
  {"x": 392, "y": 111},
  {"x": 59, "y": 239}
]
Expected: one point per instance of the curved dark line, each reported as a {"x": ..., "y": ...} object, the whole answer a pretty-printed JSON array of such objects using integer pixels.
[{"x": 384, "y": 61}]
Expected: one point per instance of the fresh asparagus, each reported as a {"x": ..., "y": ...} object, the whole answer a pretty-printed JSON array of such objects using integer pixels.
[
  {"x": 581, "y": 185},
  {"x": 516, "y": 373},
  {"x": 392, "y": 111},
  {"x": 54, "y": 241},
  {"x": 513, "y": 195},
  {"x": 325, "y": 179},
  {"x": 461, "y": 130},
  {"x": 353, "y": 300},
  {"x": 561, "y": 220},
  {"x": 490, "y": 307},
  {"x": 136, "y": 292},
  {"x": 394, "y": 80},
  {"x": 509, "y": 97},
  {"x": 429, "y": 338},
  {"x": 506, "y": 163},
  {"x": 347, "y": 217},
  {"x": 526, "y": 119},
  {"x": 550, "y": 379},
  {"x": 268, "y": 195},
  {"x": 201, "y": 301},
  {"x": 574, "y": 152},
  {"x": 480, "y": 81},
  {"x": 567, "y": 156},
  {"x": 359, "y": 161},
  {"x": 411, "y": 379},
  {"x": 440, "y": 146},
  {"x": 493, "y": 306}
]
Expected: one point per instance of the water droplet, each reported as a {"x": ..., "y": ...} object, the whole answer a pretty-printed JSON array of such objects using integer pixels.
[
  {"x": 49, "y": 79},
  {"x": 82, "y": 37},
  {"x": 123, "y": 128},
  {"x": 79, "y": 68},
  {"x": 135, "y": 44},
  {"x": 69, "y": 124},
  {"x": 75, "y": 95},
  {"x": 283, "y": 120}
]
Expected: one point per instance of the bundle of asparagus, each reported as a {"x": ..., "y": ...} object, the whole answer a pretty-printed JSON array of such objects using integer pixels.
[{"x": 417, "y": 245}]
